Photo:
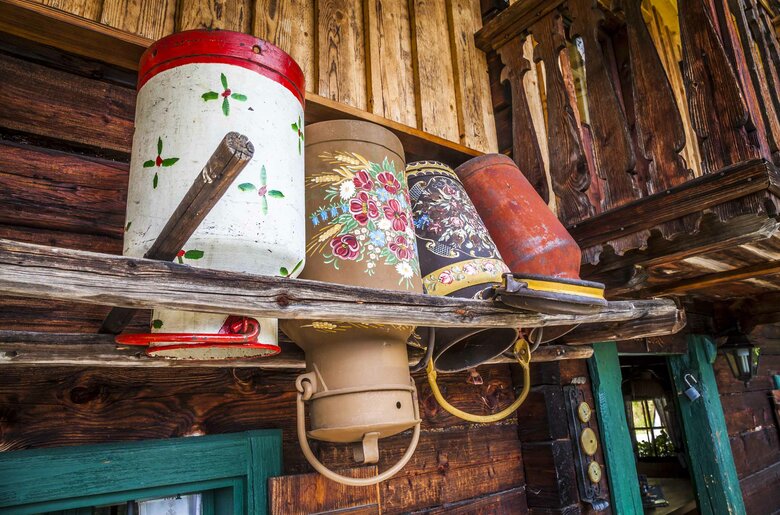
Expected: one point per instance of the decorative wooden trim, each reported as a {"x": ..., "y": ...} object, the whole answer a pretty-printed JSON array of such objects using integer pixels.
[
  {"x": 53, "y": 273},
  {"x": 706, "y": 434},
  {"x": 618, "y": 453},
  {"x": 512, "y": 21},
  {"x": 87, "y": 38},
  {"x": 53, "y": 477},
  {"x": 693, "y": 196}
]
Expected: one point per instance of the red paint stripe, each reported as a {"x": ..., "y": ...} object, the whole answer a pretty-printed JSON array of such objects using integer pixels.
[{"x": 226, "y": 47}]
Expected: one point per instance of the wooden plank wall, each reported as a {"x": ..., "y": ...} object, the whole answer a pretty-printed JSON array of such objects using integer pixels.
[
  {"x": 412, "y": 62},
  {"x": 65, "y": 131},
  {"x": 754, "y": 430}
]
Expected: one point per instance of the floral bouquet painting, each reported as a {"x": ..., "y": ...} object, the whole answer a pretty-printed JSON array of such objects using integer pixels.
[{"x": 366, "y": 218}]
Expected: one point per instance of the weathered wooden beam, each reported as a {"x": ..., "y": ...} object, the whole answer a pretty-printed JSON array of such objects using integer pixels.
[
  {"x": 694, "y": 196},
  {"x": 99, "y": 350},
  {"x": 666, "y": 345},
  {"x": 29, "y": 270},
  {"x": 710, "y": 280},
  {"x": 230, "y": 157},
  {"x": 647, "y": 327},
  {"x": 511, "y": 22},
  {"x": 713, "y": 236}
]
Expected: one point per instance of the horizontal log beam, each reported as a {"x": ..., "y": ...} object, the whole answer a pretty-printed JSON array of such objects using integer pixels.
[
  {"x": 38, "y": 271},
  {"x": 694, "y": 196},
  {"x": 511, "y": 22},
  {"x": 19, "y": 348},
  {"x": 715, "y": 279}
]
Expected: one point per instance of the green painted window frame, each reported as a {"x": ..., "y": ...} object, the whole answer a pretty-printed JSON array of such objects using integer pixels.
[{"x": 231, "y": 469}]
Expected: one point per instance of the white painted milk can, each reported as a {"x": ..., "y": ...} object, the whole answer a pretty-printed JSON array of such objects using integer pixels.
[{"x": 194, "y": 87}]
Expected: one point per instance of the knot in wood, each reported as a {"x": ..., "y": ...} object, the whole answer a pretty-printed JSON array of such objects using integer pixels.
[{"x": 283, "y": 300}]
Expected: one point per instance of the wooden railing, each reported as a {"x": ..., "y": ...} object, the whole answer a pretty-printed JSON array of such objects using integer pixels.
[{"x": 634, "y": 103}]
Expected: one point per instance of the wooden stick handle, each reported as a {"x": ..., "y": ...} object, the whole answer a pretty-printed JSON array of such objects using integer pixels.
[{"x": 231, "y": 156}]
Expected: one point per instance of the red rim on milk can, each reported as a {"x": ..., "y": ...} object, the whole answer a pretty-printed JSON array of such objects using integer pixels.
[
  {"x": 542, "y": 255},
  {"x": 194, "y": 87}
]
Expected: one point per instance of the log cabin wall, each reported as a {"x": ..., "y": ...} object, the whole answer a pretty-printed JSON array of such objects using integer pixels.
[
  {"x": 65, "y": 131},
  {"x": 753, "y": 420},
  {"x": 412, "y": 62}
]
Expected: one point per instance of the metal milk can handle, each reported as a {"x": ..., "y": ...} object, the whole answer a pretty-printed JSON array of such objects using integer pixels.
[
  {"x": 523, "y": 355},
  {"x": 305, "y": 391}
]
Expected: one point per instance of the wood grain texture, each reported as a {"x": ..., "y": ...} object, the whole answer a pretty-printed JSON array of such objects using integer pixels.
[
  {"x": 95, "y": 350},
  {"x": 433, "y": 69},
  {"x": 389, "y": 67},
  {"x": 512, "y": 22},
  {"x": 341, "y": 54},
  {"x": 715, "y": 99},
  {"x": 47, "y": 273},
  {"x": 508, "y": 501},
  {"x": 51, "y": 190},
  {"x": 151, "y": 19},
  {"x": 614, "y": 154},
  {"x": 659, "y": 129},
  {"x": 302, "y": 494},
  {"x": 550, "y": 479},
  {"x": 289, "y": 24},
  {"x": 214, "y": 14},
  {"x": 526, "y": 150},
  {"x": 64, "y": 106},
  {"x": 89, "y": 9},
  {"x": 568, "y": 166},
  {"x": 476, "y": 125}
]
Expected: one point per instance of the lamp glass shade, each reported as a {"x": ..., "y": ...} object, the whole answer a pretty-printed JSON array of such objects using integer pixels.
[{"x": 742, "y": 357}]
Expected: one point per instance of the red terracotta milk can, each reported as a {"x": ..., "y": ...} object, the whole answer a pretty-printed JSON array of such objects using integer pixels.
[{"x": 542, "y": 255}]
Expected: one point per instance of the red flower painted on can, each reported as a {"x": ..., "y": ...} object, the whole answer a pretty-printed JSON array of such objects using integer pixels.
[
  {"x": 345, "y": 246},
  {"x": 363, "y": 180},
  {"x": 401, "y": 248},
  {"x": 396, "y": 215},
  {"x": 389, "y": 182},
  {"x": 446, "y": 277},
  {"x": 363, "y": 207}
]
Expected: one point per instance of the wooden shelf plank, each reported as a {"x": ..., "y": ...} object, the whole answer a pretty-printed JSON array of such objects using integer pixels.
[
  {"x": 86, "y": 38},
  {"x": 44, "y": 272},
  {"x": 18, "y": 348}
]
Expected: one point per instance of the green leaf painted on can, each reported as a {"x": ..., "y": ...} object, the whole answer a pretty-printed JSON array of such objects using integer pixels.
[
  {"x": 283, "y": 272},
  {"x": 193, "y": 254},
  {"x": 297, "y": 266},
  {"x": 149, "y": 163},
  {"x": 294, "y": 126},
  {"x": 239, "y": 97},
  {"x": 210, "y": 95},
  {"x": 226, "y": 106},
  {"x": 275, "y": 194},
  {"x": 155, "y": 180},
  {"x": 170, "y": 161},
  {"x": 157, "y": 323},
  {"x": 247, "y": 186},
  {"x": 264, "y": 205},
  {"x": 159, "y": 146},
  {"x": 127, "y": 226},
  {"x": 224, "y": 80}
]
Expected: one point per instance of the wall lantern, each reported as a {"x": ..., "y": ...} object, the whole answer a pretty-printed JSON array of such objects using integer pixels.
[{"x": 741, "y": 355}]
